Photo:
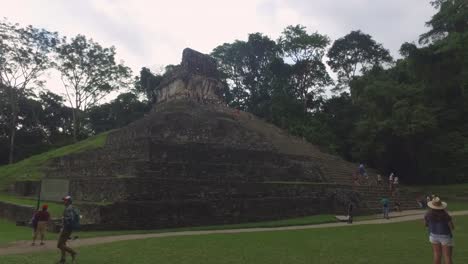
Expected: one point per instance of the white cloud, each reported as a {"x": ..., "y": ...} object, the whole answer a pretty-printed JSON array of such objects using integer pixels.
[{"x": 154, "y": 33}]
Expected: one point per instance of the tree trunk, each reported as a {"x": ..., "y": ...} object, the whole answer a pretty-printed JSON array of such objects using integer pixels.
[
  {"x": 304, "y": 104},
  {"x": 75, "y": 125},
  {"x": 12, "y": 138},
  {"x": 13, "y": 120}
]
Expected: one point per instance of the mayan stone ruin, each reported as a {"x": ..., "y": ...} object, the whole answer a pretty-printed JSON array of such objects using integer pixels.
[{"x": 192, "y": 160}]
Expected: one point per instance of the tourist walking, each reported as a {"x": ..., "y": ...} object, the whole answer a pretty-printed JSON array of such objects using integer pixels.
[
  {"x": 379, "y": 179},
  {"x": 385, "y": 207},
  {"x": 350, "y": 213},
  {"x": 70, "y": 222},
  {"x": 40, "y": 222},
  {"x": 440, "y": 226}
]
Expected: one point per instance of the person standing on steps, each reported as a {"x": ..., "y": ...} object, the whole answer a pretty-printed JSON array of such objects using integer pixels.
[
  {"x": 355, "y": 179},
  {"x": 41, "y": 220},
  {"x": 385, "y": 207},
  {"x": 390, "y": 182},
  {"x": 440, "y": 227},
  {"x": 69, "y": 221},
  {"x": 398, "y": 206},
  {"x": 362, "y": 171},
  {"x": 396, "y": 182}
]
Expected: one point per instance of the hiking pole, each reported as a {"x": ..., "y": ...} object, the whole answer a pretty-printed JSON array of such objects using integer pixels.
[{"x": 39, "y": 196}]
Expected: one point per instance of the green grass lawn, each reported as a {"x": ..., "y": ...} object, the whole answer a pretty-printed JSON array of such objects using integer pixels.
[
  {"x": 9, "y": 232},
  {"x": 15, "y": 233},
  {"x": 457, "y": 205},
  {"x": 390, "y": 243},
  {"x": 56, "y": 209},
  {"x": 30, "y": 168}
]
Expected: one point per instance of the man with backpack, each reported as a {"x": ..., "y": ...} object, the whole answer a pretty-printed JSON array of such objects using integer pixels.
[
  {"x": 70, "y": 223},
  {"x": 385, "y": 204}
]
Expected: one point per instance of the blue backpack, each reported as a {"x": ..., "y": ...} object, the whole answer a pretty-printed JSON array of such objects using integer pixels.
[{"x": 75, "y": 224}]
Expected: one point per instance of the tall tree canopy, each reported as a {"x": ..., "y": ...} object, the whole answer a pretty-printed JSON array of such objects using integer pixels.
[
  {"x": 117, "y": 113},
  {"x": 246, "y": 66},
  {"x": 451, "y": 18},
  {"x": 355, "y": 53},
  {"x": 24, "y": 56},
  {"x": 43, "y": 123},
  {"x": 414, "y": 115},
  {"x": 309, "y": 75},
  {"x": 89, "y": 72},
  {"x": 146, "y": 84}
]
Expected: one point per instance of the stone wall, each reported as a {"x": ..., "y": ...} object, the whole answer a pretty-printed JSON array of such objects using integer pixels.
[
  {"x": 146, "y": 189},
  {"x": 196, "y": 79},
  {"x": 180, "y": 213},
  {"x": 197, "y": 88},
  {"x": 25, "y": 188},
  {"x": 15, "y": 212},
  {"x": 188, "y": 204},
  {"x": 191, "y": 161}
]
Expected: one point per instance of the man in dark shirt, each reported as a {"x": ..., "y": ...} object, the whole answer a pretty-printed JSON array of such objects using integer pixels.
[
  {"x": 67, "y": 229},
  {"x": 40, "y": 221}
]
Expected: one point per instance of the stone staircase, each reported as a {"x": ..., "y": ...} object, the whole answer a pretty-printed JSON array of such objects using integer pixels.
[
  {"x": 372, "y": 195},
  {"x": 342, "y": 172}
]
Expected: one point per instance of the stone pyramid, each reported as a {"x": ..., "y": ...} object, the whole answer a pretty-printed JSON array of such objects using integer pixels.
[{"x": 192, "y": 160}]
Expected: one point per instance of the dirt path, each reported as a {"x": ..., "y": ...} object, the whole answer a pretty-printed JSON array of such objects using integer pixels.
[{"x": 22, "y": 247}]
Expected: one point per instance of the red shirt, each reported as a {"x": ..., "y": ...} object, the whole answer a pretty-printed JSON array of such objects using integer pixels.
[{"x": 42, "y": 216}]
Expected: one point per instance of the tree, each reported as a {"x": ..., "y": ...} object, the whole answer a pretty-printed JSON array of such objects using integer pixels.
[
  {"x": 354, "y": 53},
  {"x": 43, "y": 122},
  {"x": 121, "y": 111},
  {"x": 89, "y": 72},
  {"x": 55, "y": 118},
  {"x": 24, "y": 56},
  {"x": 452, "y": 17},
  {"x": 309, "y": 74},
  {"x": 146, "y": 84},
  {"x": 246, "y": 66}
]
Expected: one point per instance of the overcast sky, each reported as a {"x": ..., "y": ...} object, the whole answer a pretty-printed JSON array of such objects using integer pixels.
[{"x": 154, "y": 33}]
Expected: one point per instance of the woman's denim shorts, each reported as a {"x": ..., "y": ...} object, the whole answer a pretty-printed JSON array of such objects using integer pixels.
[{"x": 444, "y": 240}]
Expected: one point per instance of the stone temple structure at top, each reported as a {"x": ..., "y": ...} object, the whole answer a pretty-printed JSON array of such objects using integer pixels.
[{"x": 192, "y": 160}]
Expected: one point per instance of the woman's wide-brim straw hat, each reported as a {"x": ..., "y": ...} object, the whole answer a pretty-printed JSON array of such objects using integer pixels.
[{"x": 437, "y": 204}]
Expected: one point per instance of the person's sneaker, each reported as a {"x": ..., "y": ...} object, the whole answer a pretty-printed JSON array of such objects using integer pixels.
[
  {"x": 42, "y": 243},
  {"x": 33, "y": 244}
]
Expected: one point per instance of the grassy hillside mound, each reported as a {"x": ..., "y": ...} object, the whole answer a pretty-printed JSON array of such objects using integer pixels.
[{"x": 32, "y": 167}]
